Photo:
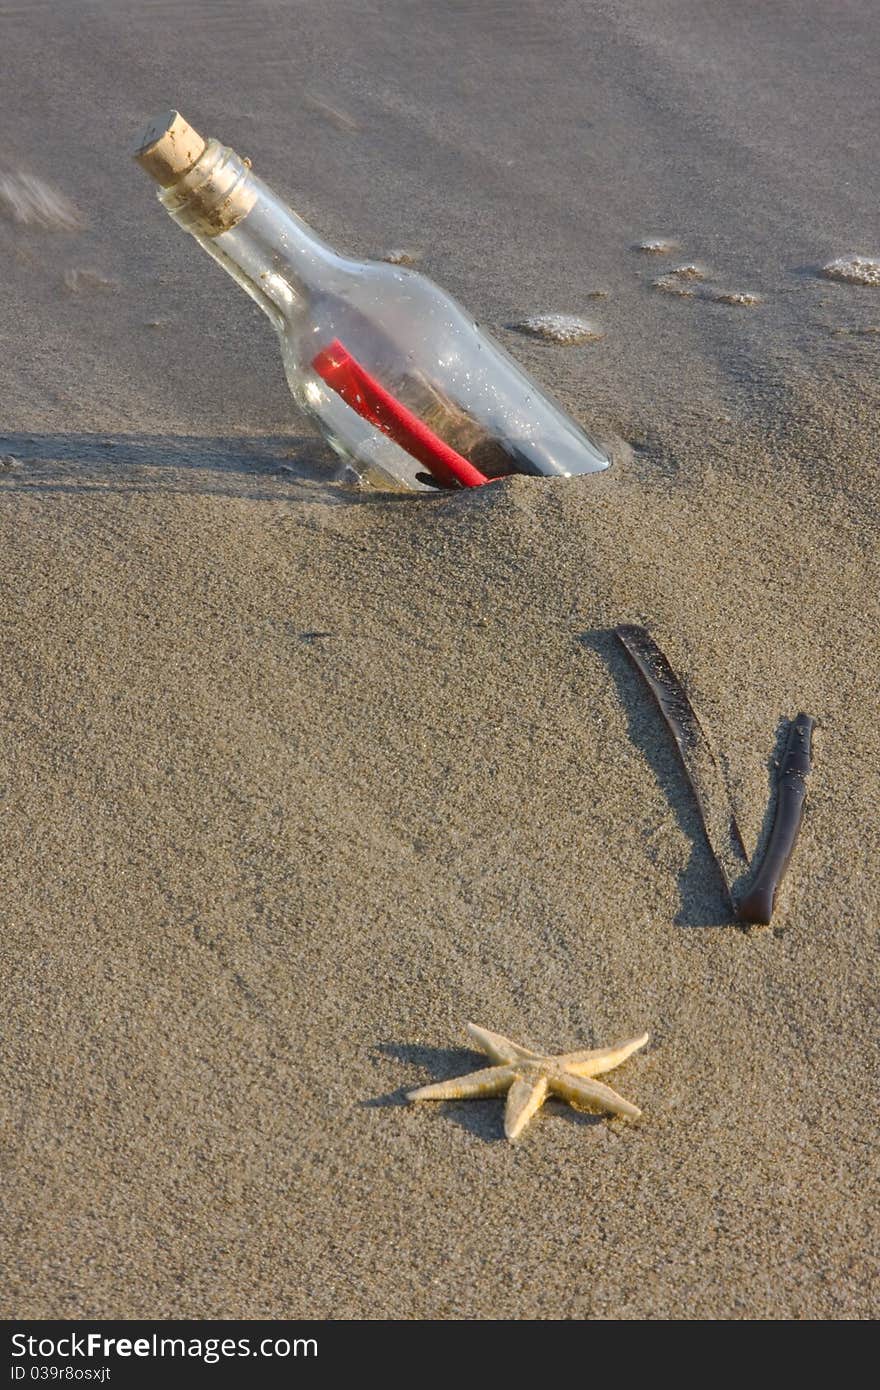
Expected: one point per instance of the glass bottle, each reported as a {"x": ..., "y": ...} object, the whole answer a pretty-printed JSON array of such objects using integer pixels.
[{"x": 399, "y": 379}]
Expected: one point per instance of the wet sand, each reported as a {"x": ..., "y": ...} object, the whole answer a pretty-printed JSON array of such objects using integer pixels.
[{"x": 298, "y": 779}]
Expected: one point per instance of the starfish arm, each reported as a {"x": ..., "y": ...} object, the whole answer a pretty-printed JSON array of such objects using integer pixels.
[
  {"x": 603, "y": 1059},
  {"x": 498, "y": 1048},
  {"x": 491, "y": 1081},
  {"x": 524, "y": 1099},
  {"x": 593, "y": 1095}
]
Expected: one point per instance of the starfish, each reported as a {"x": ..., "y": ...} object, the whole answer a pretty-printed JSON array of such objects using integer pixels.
[{"x": 529, "y": 1077}]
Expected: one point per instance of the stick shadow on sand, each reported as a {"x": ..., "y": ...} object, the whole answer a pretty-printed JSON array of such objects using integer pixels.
[
  {"x": 484, "y": 1118},
  {"x": 701, "y": 889},
  {"x": 66, "y": 461}
]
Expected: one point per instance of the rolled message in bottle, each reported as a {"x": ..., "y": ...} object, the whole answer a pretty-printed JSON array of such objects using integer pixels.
[{"x": 364, "y": 394}]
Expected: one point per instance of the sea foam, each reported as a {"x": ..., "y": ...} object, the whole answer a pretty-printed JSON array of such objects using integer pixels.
[{"x": 855, "y": 270}]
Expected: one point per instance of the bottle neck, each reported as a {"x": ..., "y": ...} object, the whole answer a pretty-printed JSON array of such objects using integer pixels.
[{"x": 275, "y": 256}]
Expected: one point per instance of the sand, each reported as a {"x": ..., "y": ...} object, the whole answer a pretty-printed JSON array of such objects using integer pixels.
[{"x": 297, "y": 779}]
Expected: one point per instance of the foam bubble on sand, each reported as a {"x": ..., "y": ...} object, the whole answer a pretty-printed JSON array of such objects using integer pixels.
[
  {"x": 686, "y": 283},
  {"x": 672, "y": 284},
  {"x": 401, "y": 255},
  {"x": 559, "y": 328},
  {"x": 855, "y": 270},
  {"x": 688, "y": 272},
  {"x": 740, "y": 299},
  {"x": 33, "y": 203},
  {"x": 658, "y": 246}
]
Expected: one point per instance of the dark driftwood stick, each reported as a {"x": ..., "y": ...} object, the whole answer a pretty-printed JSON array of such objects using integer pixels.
[
  {"x": 702, "y": 771},
  {"x": 758, "y": 903}
]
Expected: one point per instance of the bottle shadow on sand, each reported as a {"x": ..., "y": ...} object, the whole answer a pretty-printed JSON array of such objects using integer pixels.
[{"x": 220, "y": 466}]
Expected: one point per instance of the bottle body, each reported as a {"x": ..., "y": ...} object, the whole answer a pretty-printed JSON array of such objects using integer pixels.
[{"x": 381, "y": 358}]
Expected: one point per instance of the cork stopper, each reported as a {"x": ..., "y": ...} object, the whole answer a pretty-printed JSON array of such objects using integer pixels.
[{"x": 167, "y": 148}]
